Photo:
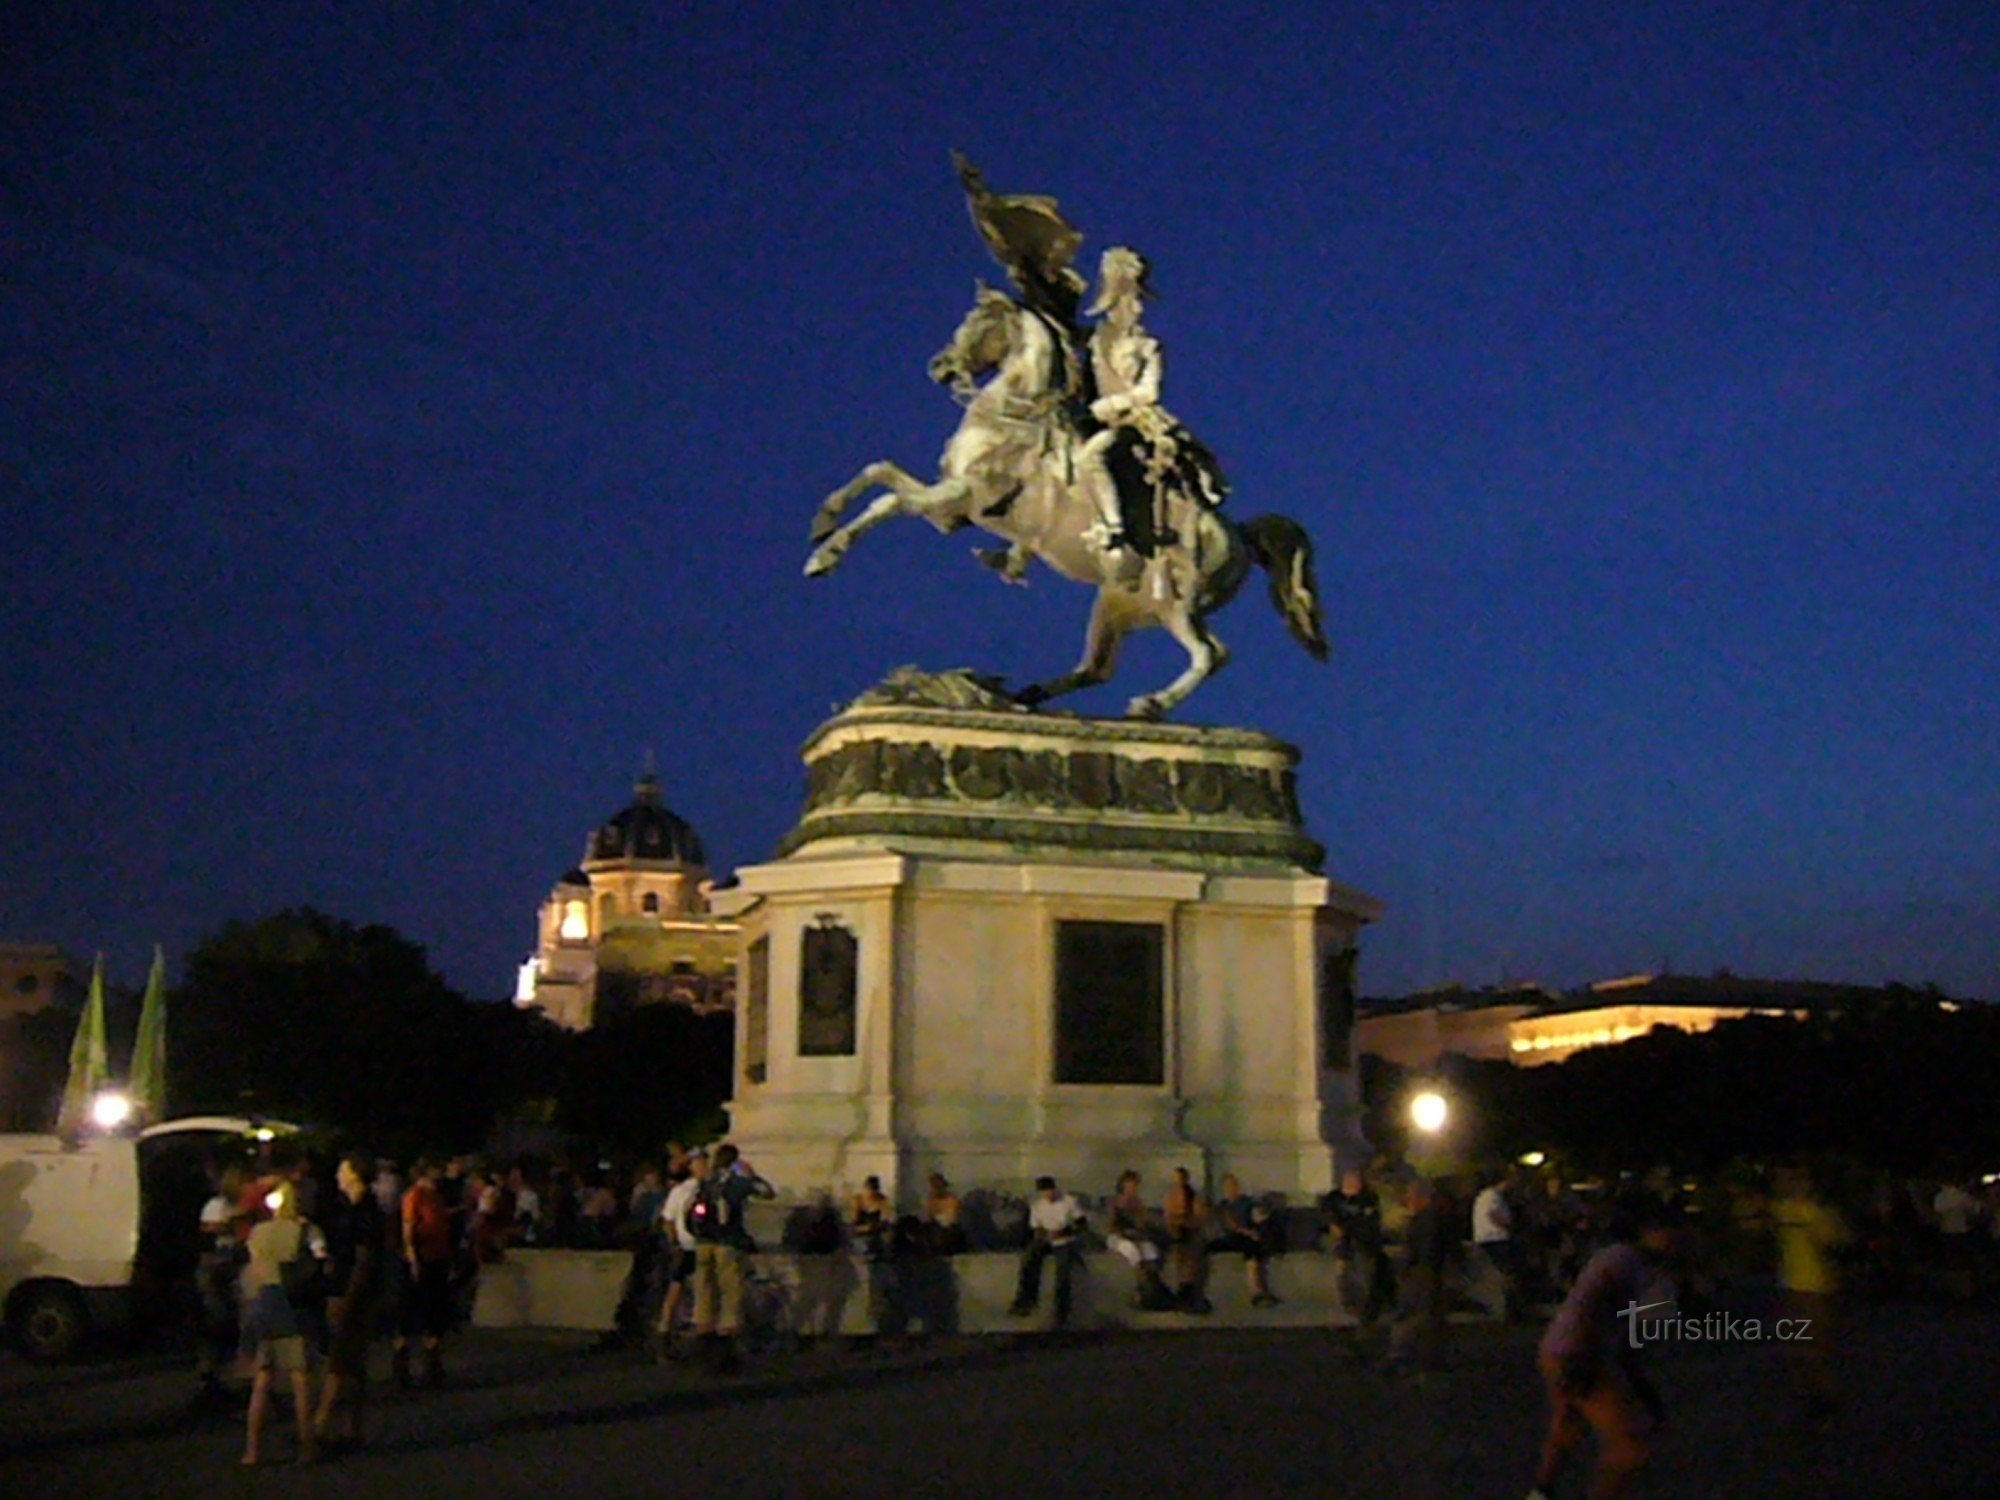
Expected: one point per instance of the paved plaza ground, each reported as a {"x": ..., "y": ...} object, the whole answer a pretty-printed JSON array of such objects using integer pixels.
[{"x": 1206, "y": 1414}]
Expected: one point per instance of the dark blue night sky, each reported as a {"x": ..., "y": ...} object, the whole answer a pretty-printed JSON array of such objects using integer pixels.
[{"x": 410, "y": 415}]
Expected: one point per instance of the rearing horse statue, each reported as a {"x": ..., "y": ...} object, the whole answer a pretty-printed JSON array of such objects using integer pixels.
[{"x": 1012, "y": 469}]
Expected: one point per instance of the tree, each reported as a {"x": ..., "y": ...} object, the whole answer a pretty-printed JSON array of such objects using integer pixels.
[
  {"x": 308, "y": 1017},
  {"x": 654, "y": 1073},
  {"x": 34, "y": 1061}
]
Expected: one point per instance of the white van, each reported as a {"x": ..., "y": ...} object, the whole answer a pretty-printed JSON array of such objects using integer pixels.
[{"x": 70, "y": 1217}]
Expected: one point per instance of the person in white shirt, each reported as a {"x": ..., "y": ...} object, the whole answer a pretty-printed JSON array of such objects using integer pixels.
[
  {"x": 1955, "y": 1209},
  {"x": 527, "y": 1207},
  {"x": 680, "y": 1245},
  {"x": 216, "y": 1278},
  {"x": 388, "y": 1188},
  {"x": 1055, "y": 1228},
  {"x": 1493, "y": 1233}
]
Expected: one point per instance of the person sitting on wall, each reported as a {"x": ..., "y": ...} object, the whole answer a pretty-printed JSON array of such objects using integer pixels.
[
  {"x": 941, "y": 1215},
  {"x": 1131, "y": 1238},
  {"x": 1055, "y": 1229},
  {"x": 1248, "y": 1230},
  {"x": 1185, "y": 1213},
  {"x": 871, "y": 1217}
]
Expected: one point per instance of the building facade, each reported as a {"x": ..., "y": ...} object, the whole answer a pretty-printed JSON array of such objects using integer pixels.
[
  {"x": 36, "y": 975},
  {"x": 1529, "y": 1026},
  {"x": 631, "y": 925}
]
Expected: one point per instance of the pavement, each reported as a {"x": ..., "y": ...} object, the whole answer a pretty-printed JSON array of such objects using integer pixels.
[{"x": 1243, "y": 1413}]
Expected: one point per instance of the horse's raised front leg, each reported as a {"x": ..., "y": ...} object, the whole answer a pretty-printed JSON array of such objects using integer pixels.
[
  {"x": 1108, "y": 624},
  {"x": 1206, "y": 656},
  {"x": 907, "y": 496},
  {"x": 881, "y": 473}
]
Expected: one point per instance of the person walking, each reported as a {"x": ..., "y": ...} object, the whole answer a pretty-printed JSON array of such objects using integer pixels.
[
  {"x": 428, "y": 1251},
  {"x": 356, "y": 1250},
  {"x": 680, "y": 1247},
  {"x": 1810, "y": 1234},
  {"x": 639, "y": 1298},
  {"x": 1589, "y": 1358},
  {"x": 1493, "y": 1238},
  {"x": 1416, "y": 1339},
  {"x": 1367, "y": 1283}
]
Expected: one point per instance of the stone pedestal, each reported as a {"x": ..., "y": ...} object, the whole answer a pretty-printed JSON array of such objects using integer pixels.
[{"x": 1000, "y": 944}]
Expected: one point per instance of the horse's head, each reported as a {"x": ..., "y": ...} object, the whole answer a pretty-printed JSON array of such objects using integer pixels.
[{"x": 983, "y": 339}]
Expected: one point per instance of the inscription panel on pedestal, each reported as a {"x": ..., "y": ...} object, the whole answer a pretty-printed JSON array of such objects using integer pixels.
[
  {"x": 1110, "y": 1021},
  {"x": 828, "y": 987}
]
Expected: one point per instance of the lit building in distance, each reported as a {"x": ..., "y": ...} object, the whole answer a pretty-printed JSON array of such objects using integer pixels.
[
  {"x": 631, "y": 925},
  {"x": 1529, "y": 1025}
]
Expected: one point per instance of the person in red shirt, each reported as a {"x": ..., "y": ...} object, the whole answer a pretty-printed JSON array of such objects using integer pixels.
[{"x": 425, "y": 1313}]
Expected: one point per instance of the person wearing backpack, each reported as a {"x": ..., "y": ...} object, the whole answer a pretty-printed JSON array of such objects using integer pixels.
[
  {"x": 722, "y": 1241},
  {"x": 278, "y": 1279}
]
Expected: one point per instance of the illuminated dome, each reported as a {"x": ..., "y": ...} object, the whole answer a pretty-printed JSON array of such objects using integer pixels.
[{"x": 647, "y": 831}]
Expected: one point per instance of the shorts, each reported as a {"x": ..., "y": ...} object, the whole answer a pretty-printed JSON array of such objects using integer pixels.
[
  {"x": 268, "y": 1318},
  {"x": 1249, "y": 1246},
  {"x": 678, "y": 1266},
  {"x": 286, "y": 1355},
  {"x": 1591, "y": 1393},
  {"x": 1134, "y": 1252}
]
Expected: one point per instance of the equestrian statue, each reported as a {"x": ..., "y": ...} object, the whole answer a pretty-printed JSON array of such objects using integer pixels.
[{"x": 1066, "y": 454}]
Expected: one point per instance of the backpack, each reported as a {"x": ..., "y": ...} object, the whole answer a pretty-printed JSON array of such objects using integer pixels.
[{"x": 705, "y": 1213}]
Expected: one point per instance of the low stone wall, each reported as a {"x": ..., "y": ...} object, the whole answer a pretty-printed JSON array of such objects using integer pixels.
[
  {"x": 846, "y": 1294},
  {"x": 551, "y": 1289}
]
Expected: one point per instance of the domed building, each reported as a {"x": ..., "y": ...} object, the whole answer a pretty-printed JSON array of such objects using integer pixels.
[{"x": 631, "y": 925}]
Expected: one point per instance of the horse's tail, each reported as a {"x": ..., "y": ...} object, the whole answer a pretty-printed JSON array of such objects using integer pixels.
[{"x": 1280, "y": 546}]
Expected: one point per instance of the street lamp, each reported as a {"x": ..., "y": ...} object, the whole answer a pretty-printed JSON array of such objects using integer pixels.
[
  {"x": 1428, "y": 1111},
  {"x": 110, "y": 1109}
]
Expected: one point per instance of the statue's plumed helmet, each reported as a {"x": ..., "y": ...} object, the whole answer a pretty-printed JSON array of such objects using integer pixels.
[{"x": 1122, "y": 269}]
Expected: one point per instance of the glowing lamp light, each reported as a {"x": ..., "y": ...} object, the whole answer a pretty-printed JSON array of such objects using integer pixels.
[
  {"x": 1534, "y": 1158},
  {"x": 1428, "y": 1111},
  {"x": 110, "y": 1110},
  {"x": 265, "y": 1133}
]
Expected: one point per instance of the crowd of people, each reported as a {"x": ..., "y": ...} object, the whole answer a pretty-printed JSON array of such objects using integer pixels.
[
  {"x": 296, "y": 1281},
  {"x": 297, "y": 1277},
  {"x": 293, "y": 1281}
]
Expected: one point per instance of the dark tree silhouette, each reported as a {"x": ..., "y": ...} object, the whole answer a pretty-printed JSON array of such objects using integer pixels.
[
  {"x": 305, "y": 1016},
  {"x": 1905, "y": 1084},
  {"x": 654, "y": 1073}
]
